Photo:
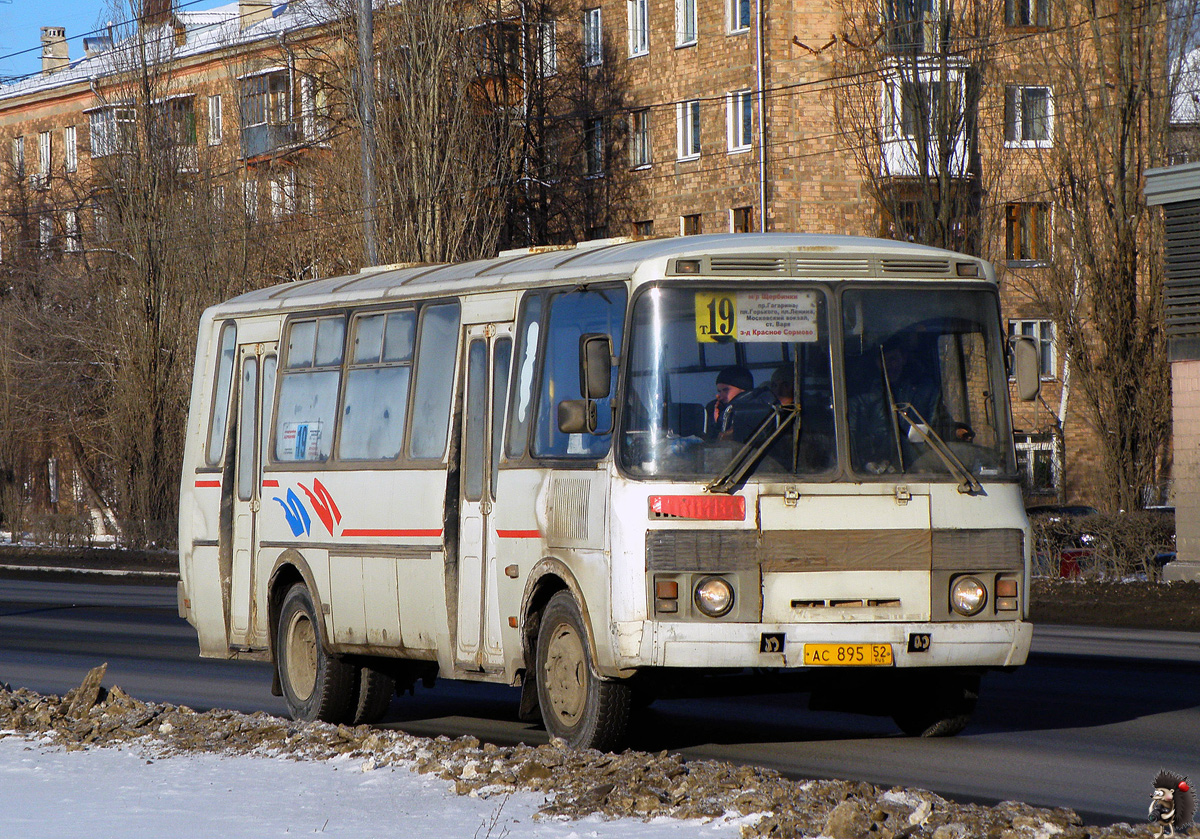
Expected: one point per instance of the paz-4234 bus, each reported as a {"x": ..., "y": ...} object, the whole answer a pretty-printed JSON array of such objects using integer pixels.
[{"x": 611, "y": 469}]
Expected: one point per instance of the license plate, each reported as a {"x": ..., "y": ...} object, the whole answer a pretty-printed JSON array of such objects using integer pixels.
[{"x": 848, "y": 655}]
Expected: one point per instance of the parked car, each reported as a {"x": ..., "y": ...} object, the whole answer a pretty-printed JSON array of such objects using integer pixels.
[{"x": 1073, "y": 547}]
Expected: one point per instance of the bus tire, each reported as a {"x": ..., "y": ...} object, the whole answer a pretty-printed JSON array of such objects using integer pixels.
[
  {"x": 942, "y": 707},
  {"x": 375, "y": 691},
  {"x": 577, "y": 704},
  {"x": 317, "y": 685}
]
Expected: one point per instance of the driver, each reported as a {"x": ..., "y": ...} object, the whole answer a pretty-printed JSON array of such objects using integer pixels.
[{"x": 739, "y": 407}]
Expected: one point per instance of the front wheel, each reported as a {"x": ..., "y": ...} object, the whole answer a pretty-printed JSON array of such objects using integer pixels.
[
  {"x": 577, "y": 704},
  {"x": 936, "y": 704},
  {"x": 316, "y": 684}
]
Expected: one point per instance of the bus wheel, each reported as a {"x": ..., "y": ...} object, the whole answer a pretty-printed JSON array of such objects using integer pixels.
[
  {"x": 579, "y": 706},
  {"x": 375, "y": 691},
  {"x": 936, "y": 706},
  {"x": 316, "y": 685}
]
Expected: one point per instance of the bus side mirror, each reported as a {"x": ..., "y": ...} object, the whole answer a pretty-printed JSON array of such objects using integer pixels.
[
  {"x": 595, "y": 365},
  {"x": 1027, "y": 368},
  {"x": 577, "y": 416}
]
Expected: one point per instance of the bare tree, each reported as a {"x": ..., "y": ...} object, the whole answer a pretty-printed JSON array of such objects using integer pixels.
[
  {"x": 1114, "y": 65},
  {"x": 907, "y": 87}
]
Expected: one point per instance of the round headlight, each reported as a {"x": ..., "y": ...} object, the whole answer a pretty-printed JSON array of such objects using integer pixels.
[
  {"x": 714, "y": 596},
  {"x": 967, "y": 596}
]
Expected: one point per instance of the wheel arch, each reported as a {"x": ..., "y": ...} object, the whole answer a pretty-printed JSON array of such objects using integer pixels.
[
  {"x": 548, "y": 577},
  {"x": 290, "y": 568}
]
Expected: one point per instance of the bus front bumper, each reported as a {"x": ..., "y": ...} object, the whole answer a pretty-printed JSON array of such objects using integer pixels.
[{"x": 725, "y": 645}]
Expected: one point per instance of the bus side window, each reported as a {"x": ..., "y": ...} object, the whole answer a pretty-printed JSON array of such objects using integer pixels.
[
  {"x": 308, "y": 395},
  {"x": 376, "y": 400},
  {"x": 528, "y": 332},
  {"x": 573, "y": 314},
  {"x": 434, "y": 381},
  {"x": 221, "y": 388}
]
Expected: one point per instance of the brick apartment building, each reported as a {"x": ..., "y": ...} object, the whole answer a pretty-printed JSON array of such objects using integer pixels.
[{"x": 732, "y": 120}]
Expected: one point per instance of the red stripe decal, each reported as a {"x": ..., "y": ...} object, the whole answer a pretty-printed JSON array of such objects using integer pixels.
[
  {"x": 216, "y": 484},
  {"x": 700, "y": 507},
  {"x": 518, "y": 534},
  {"x": 270, "y": 484},
  {"x": 381, "y": 532}
]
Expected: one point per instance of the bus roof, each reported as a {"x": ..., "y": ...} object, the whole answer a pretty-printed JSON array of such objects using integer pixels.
[{"x": 725, "y": 254}]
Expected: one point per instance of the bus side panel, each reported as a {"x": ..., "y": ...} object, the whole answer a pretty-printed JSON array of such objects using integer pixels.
[{"x": 207, "y": 612}]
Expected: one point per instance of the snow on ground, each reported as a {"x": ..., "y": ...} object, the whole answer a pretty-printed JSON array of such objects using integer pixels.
[{"x": 49, "y": 792}]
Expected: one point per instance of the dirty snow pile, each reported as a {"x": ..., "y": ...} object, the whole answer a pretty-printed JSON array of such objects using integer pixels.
[{"x": 221, "y": 773}]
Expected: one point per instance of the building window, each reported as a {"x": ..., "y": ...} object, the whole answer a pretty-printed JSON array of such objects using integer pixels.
[
  {"x": 639, "y": 145},
  {"x": 1027, "y": 233},
  {"x": 741, "y": 220},
  {"x": 688, "y": 119},
  {"x": 1027, "y": 13},
  {"x": 41, "y": 179},
  {"x": 911, "y": 26},
  {"x": 739, "y": 117},
  {"x": 214, "y": 120},
  {"x": 266, "y": 113},
  {"x": 547, "y": 48},
  {"x": 45, "y": 231},
  {"x": 70, "y": 149},
  {"x": 250, "y": 198},
  {"x": 643, "y": 228},
  {"x": 177, "y": 122},
  {"x": 99, "y": 223},
  {"x": 1042, "y": 332},
  {"x": 739, "y": 15},
  {"x": 1039, "y": 463},
  {"x": 593, "y": 146},
  {"x": 314, "y": 110},
  {"x": 18, "y": 156},
  {"x": 71, "y": 225},
  {"x": 639, "y": 28},
  {"x": 685, "y": 22},
  {"x": 690, "y": 225},
  {"x": 283, "y": 195},
  {"x": 112, "y": 130},
  {"x": 1028, "y": 116},
  {"x": 593, "y": 41}
]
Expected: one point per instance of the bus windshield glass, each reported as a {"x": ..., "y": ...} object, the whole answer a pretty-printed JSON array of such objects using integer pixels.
[
  {"x": 925, "y": 382},
  {"x": 710, "y": 367}
]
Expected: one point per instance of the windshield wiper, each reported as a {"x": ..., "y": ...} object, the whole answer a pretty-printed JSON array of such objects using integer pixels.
[
  {"x": 747, "y": 457},
  {"x": 934, "y": 440}
]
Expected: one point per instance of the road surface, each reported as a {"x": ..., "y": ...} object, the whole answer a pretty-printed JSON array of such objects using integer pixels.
[{"x": 1085, "y": 724}]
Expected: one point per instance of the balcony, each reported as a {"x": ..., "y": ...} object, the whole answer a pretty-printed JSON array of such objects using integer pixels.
[{"x": 266, "y": 137}]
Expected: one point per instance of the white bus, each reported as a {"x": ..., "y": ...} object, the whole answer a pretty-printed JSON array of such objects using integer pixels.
[{"x": 518, "y": 470}]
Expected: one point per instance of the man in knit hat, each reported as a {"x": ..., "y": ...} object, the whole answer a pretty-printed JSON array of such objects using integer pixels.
[{"x": 739, "y": 408}]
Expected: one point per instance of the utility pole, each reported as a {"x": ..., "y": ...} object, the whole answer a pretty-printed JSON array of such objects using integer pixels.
[{"x": 366, "y": 85}]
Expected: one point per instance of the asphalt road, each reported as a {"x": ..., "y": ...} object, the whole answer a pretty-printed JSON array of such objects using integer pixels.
[{"x": 1085, "y": 724}]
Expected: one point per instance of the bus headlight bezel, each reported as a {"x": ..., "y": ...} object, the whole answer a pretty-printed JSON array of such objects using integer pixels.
[
  {"x": 713, "y": 596},
  {"x": 968, "y": 595}
]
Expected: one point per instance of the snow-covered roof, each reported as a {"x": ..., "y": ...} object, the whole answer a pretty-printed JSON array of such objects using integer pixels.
[
  {"x": 206, "y": 31},
  {"x": 796, "y": 254}
]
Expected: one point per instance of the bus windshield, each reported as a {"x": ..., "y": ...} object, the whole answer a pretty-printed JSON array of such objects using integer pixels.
[{"x": 711, "y": 369}]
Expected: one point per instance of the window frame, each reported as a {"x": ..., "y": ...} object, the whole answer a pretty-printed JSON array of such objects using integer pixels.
[
  {"x": 593, "y": 147},
  {"x": 733, "y": 9},
  {"x": 1014, "y": 117},
  {"x": 1045, "y": 332},
  {"x": 1041, "y": 214},
  {"x": 638, "y": 21},
  {"x": 70, "y": 149},
  {"x": 1027, "y": 444},
  {"x": 688, "y": 128},
  {"x": 215, "y": 120},
  {"x": 687, "y": 219},
  {"x": 686, "y": 23},
  {"x": 1038, "y": 13},
  {"x": 739, "y": 120},
  {"x": 640, "y": 145},
  {"x": 593, "y": 37},
  {"x": 745, "y": 214}
]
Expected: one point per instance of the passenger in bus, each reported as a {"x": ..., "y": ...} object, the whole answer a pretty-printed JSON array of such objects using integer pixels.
[
  {"x": 739, "y": 408},
  {"x": 782, "y": 384}
]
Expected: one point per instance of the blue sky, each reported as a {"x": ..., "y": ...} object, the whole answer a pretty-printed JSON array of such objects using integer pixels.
[{"x": 21, "y": 23}]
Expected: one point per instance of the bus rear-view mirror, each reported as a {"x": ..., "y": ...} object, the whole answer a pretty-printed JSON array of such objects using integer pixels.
[
  {"x": 1027, "y": 368},
  {"x": 595, "y": 365},
  {"x": 577, "y": 416}
]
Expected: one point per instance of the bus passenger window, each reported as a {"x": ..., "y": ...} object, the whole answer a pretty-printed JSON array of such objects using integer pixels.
[
  {"x": 529, "y": 330},
  {"x": 308, "y": 394},
  {"x": 220, "y": 411},
  {"x": 574, "y": 314},
  {"x": 376, "y": 399},
  {"x": 434, "y": 381}
]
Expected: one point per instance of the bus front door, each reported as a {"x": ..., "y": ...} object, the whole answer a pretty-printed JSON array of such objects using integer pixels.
[
  {"x": 488, "y": 359},
  {"x": 256, "y": 366}
]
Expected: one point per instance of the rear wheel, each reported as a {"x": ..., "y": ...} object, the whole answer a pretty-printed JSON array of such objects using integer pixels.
[
  {"x": 375, "y": 691},
  {"x": 317, "y": 685},
  {"x": 577, "y": 704},
  {"x": 936, "y": 704}
]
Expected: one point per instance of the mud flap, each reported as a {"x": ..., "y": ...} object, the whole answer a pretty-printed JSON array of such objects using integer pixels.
[{"x": 528, "y": 711}]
